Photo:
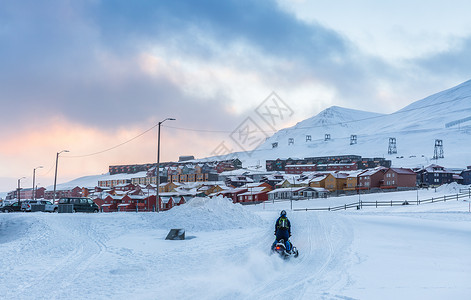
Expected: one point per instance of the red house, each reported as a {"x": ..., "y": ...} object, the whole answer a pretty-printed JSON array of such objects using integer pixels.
[
  {"x": 256, "y": 195},
  {"x": 399, "y": 178},
  {"x": 126, "y": 203},
  {"x": 372, "y": 178},
  {"x": 167, "y": 203},
  {"x": 108, "y": 204},
  {"x": 298, "y": 169}
]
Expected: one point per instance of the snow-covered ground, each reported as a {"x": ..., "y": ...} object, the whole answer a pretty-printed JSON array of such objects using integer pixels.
[{"x": 405, "y": 252}]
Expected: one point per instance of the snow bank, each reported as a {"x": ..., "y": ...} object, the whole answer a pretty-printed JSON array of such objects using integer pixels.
[
  {"x": 451, "y": 188},
  {"x": 207, "y": 214}
]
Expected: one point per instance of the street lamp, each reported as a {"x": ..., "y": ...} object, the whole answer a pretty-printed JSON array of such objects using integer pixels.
[
  {"x": 55, "y": 176},
  {"x": 158, "y": 163},
  {"x": 18, "y": 195},
  {"x": 34, "y": 177}
]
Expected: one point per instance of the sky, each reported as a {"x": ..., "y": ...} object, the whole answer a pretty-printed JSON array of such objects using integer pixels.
[{"x": 95, "y": 77}]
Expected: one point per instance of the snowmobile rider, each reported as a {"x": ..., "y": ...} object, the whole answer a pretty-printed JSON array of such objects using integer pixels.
[{"x": 283, "y": 230}]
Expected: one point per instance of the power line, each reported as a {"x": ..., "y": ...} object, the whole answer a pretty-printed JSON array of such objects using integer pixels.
[{"x": 114, "y": 147}]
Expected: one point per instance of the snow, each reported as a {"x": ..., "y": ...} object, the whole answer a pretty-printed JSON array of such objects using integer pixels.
[
  {"x": 415, "y": 127},
  {"x": 403, "y": 252}
]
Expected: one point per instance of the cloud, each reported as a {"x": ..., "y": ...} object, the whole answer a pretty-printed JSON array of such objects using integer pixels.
[
  {"x": 455, "y": 62},
  {"x": 81, "y": 60}
]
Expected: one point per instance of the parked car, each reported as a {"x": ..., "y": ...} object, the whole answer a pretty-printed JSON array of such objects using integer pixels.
[
  {"x": 81, "y": 204},
  {"x": 48, "y": 206},
  {"x": 11, "y": 207},
  {"x": 26, "y": 204}
]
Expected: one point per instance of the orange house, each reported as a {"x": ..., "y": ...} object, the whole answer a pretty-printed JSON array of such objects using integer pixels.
[
  {"x": 336, "y": 182},
  {"x": 353, "y": 181},
  {"x": 318, "y": 181},
  {"x": 168, "y": 187}
]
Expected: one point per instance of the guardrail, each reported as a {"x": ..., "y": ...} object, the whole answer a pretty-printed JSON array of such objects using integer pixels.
[{"x": 463, "y": 193}]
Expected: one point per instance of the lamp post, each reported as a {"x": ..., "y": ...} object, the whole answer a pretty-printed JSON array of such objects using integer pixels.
[
  {"x": 158, "y": 163},
  {"x": 34, "y": 177},
  {"x": 18, "y": 192},
  {"x": 55, "y": 176}
]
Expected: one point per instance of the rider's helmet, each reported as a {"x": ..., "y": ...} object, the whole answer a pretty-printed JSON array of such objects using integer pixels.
[{"x": 283, "y": 213}]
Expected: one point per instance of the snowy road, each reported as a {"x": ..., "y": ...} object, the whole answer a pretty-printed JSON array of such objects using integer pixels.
[{"x": 406, "y": 253}]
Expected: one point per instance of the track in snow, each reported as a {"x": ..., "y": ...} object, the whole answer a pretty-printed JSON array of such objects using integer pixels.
[{"x": 323, "y": 241}]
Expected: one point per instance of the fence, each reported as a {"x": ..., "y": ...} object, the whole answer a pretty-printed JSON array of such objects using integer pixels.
[{"x": 463, "y": 193}]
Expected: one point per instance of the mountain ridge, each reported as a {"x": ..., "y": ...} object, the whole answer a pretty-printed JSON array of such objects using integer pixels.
[{"x": 415, "y": 127}]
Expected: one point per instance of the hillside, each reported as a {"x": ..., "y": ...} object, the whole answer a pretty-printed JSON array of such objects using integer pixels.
[{"x": 445, "y": 115}]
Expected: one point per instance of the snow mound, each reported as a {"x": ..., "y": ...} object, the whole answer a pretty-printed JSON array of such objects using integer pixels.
[
  {"x": 208, "y": 214},
  {"x": 451, "y": 188}
]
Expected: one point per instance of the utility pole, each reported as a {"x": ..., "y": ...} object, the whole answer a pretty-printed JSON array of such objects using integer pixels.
[
  {"x": 157, "y": 171},
  {"x": 34, "y": 178},
  {"x": 55, "y": 176},
  {"x": 18, "y": 195}
]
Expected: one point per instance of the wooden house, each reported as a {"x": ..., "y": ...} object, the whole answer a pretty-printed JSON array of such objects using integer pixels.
[{"x": 395, "y": 178}]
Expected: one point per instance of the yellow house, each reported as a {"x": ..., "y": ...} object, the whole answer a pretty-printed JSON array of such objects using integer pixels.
[
  {"x": 353, "y": 180},
  {"x": 319, "y": 181},
  {"x": 168, "y": 187},
  {"x": 284, "y": 184},
  {"x": 213, "y": 189},
  {"x": 335, "y": 182}
]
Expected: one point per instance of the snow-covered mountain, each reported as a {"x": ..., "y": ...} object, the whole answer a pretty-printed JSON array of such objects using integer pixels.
[{"x": 445, "y": 116}]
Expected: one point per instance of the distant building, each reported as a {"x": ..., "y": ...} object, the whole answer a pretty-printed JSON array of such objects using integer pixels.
[
  {"x": 325, "y": 163},
  {"x": 397, "y": 178},
  {"x": 129, "y": 169},
  {"x": 113, "y": 182},
  {"x": 185, "y": 158},
  {"x": 466, "y": 175},
  {"x": 238, "y": 181},
  {"x": 72, "y": 192},
  {"x": 434, "y": 175}
]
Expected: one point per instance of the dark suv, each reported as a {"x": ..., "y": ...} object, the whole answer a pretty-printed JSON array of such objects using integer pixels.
[
  {"x": 15, "y": 206},
  {"x": 81, "y": 204}
]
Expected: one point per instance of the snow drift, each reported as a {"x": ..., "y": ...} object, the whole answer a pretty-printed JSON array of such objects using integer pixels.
[{"x": 205, "y": 214}]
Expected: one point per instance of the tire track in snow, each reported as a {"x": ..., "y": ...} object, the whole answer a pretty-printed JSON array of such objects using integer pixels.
[
  {"x": 318, "y": 263},
  {"x": 80, "y": 249},
  {"x": 92, "y": 249}
]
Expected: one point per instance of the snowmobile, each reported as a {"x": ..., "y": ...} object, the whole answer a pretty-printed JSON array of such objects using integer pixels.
[{"x": 280, "y": 249}]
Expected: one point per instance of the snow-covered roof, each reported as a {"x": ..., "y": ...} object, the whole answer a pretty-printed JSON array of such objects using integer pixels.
[
  {"x": 318, "y": 178},
  {"x": 403, "y": 171},
  {"x": 254, "y": 191},
  {"x": 370, "y": 172}
]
